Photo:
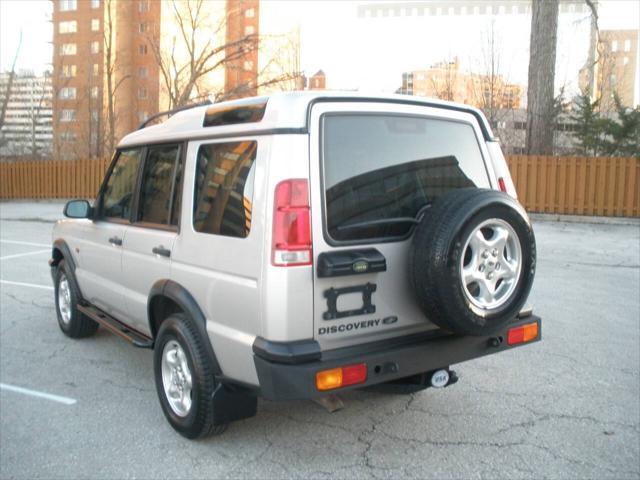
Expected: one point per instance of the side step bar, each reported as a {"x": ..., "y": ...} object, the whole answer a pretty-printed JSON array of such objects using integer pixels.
[{"x": 107, "y": 321}]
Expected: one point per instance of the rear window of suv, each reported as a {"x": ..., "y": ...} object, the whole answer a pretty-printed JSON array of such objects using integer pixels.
[{"x": 379, "y": 168}]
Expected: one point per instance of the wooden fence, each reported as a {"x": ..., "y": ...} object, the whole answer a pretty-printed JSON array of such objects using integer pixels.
[
  {"x": 563, "y": 185},
  {"x": 600, "y": 186}
]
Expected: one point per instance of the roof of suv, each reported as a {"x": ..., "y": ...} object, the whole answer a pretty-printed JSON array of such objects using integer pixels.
[{"x": 285, "y": 112}]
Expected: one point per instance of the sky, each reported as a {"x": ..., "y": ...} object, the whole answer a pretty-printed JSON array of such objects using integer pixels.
[{"x": 368, "y": 54}]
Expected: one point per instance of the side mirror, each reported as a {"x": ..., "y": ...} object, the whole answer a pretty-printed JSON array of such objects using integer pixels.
[{"x": 77, "y": 209}]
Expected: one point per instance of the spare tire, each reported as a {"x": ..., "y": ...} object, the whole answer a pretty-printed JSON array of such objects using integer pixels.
[{"x": 472, "y": 261}]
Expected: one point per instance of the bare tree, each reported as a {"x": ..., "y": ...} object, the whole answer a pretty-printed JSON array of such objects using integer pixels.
[
  {"x": 112, "y": 78},
  {"x": 444, "y": 85},
  {"x": 542, "y": 64},
  {"x": 198, "y": 51},
  {"x": 12, "y": 74}
]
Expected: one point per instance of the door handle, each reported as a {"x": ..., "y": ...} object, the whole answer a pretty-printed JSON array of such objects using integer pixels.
[
  {"x": 115, "y": 241},
  {"x": 165, "y": 252}
]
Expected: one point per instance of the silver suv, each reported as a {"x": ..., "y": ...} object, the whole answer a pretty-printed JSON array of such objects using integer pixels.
[{"x": 297, "y": 246}]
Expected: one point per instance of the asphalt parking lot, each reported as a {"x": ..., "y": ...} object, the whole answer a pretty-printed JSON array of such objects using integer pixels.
[{"x": 567, "y": 407}]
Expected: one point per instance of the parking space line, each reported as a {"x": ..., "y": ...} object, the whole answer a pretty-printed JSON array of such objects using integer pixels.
[
  {"x": 35, "y": 393},
  {"x": 21, "y": 284},
  {"x": 7, "y": 257},
  {"x": 14, "y": 242}
]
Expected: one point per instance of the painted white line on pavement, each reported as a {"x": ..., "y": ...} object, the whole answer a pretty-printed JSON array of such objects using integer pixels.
[
  {"x": 7, "y": 257},
  {"x": 21, "y": 284},
  {"x": 35, "y": 393},
  {"x": 14, "y": 242}
]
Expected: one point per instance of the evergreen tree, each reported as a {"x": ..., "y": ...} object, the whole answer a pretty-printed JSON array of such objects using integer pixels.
[
  {"x": 588, "y": 126},
  {"x": 622, "y": 135}
]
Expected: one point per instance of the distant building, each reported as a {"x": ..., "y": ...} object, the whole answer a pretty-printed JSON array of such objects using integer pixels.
[
  {"x": 615, "y": 69},
  {"x": 82, "y": 89},
  {"x": 445, "y": 81},
  {"x": 27, "y": 129},
  {"x": 318, "y": 81},
  {"x": 400, "y": 8}
]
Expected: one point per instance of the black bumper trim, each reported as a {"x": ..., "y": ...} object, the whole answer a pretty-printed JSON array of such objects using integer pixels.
[
  {"x": 290, "y": 353},
  {"x": 397, "y": 359}
]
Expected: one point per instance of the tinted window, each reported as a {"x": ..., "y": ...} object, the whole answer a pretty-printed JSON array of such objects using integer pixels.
[
  {"x": 224, "y": 188},
  {"x": 118, "y": 193},
  {"x": 156, "y": 191},
  {"x": 380, "y": 167}
]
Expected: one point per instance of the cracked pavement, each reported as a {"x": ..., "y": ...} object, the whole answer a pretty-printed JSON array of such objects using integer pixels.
[{"x": 567, "y": 407}]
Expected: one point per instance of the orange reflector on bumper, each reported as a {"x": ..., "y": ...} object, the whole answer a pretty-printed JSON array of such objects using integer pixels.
[
  {"x": 341, "y": 376},
  {"x": 522, "y": 334}
]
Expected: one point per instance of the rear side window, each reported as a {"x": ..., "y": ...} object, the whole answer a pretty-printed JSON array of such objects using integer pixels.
[
  {"x": 157, "y": 188},
  {"x": 117, "y": 195},
  {"x": 381, "y": 168},
  {"x": 223, "y": 191}
]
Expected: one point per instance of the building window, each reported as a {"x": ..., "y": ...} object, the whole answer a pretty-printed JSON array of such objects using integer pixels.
[
  {"x": 142, "y": 49},
  {"x": 142, "y": 93},
  {"x": 95, "y": 25},
  {"x": 68, "y": 49},
  {"x": 95, "y": 71},
  {"x": 627, "y": 45},
  {"x": 94, "y": 115},
  {"x": 68, "y": 137},
  {"x": 612, "y": 80},
  {"x": 67, "y": 93},
  {"x": 249, "y": 13},
  {"x": 68, "y": 27},
  {"x": 142, "y": 116},
  {"x": 248, "y": 65},
  {"x": 614, "y": 46},
  {"x": 68, "y": 71},
  {"x": 94, "y": 92},
  {"x": 95, "y": 3},
  {"x": 67, "y": 115},
  {"x": 249, "y": 30},
  {"x": 142, "y": 27},
  {"x": 142, "y": 72},
  {"x": 68, "y": 5},
  {"x": 143, "y": 6},
  {"x": 625, "y": 60},
  {"x": 95, "y": 47}
]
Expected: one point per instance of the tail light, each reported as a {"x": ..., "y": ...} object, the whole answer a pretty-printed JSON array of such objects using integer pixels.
[
  {"x": 291, "y": 244},
  {"x": 522, "y": 334},
  {"x": 502, "y": 185},
  {"x": 341, "y": 376}
]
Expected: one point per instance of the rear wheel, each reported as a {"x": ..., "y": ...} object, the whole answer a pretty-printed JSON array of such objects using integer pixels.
[
  {"x": 67, "y": 295},
  {"x": 473, "y": 259},
  {"x": 184, "y": 378}
]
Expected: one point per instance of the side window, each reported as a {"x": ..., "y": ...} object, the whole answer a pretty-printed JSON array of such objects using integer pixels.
[
  {"x": 117, "y": 196},
  {"x": 156, "y": 191},
  {"x": 224, "y": 188}
]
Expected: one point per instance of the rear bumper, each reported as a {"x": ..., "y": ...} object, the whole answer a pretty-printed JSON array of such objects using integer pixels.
[{"x": 287, "y": 371}]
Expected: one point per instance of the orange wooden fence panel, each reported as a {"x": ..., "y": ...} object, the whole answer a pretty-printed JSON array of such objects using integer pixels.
[
  {"x": 51, "y": 179},
  {"x": 578, "y": 185},
  {"x": 562, "y": 185}
]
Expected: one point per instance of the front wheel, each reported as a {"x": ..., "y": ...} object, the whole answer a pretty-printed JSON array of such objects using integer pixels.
[
  {"x": 184, "y": 378},
  {"x": 67, "y": 295}
]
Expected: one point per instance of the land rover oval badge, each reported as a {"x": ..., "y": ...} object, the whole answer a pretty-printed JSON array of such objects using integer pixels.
[{"x": 360, "y": 266}]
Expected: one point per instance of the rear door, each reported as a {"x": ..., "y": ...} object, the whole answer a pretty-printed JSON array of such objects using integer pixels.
[
  {"x": 146, "y": 254},
  {"x": 374, "y": 166}
]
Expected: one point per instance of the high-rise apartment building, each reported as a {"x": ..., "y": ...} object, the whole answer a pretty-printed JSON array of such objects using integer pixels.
[
  {"x": 241, "y": 72},
  {"x": 114, "y": 62},
  {"x": 613, "y": 69},
  {"x": 25, "y": 130},
  {"x": 105, "y": 79}
]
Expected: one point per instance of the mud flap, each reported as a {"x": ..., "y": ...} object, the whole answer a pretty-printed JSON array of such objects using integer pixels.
[{"x": 231, "y": 404}]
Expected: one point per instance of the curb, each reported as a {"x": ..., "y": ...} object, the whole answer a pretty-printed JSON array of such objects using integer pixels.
[{"x": 552, "y": 217}]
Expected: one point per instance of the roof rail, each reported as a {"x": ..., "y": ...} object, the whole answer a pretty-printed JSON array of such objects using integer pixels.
[{"x": 171, "y": 112}]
